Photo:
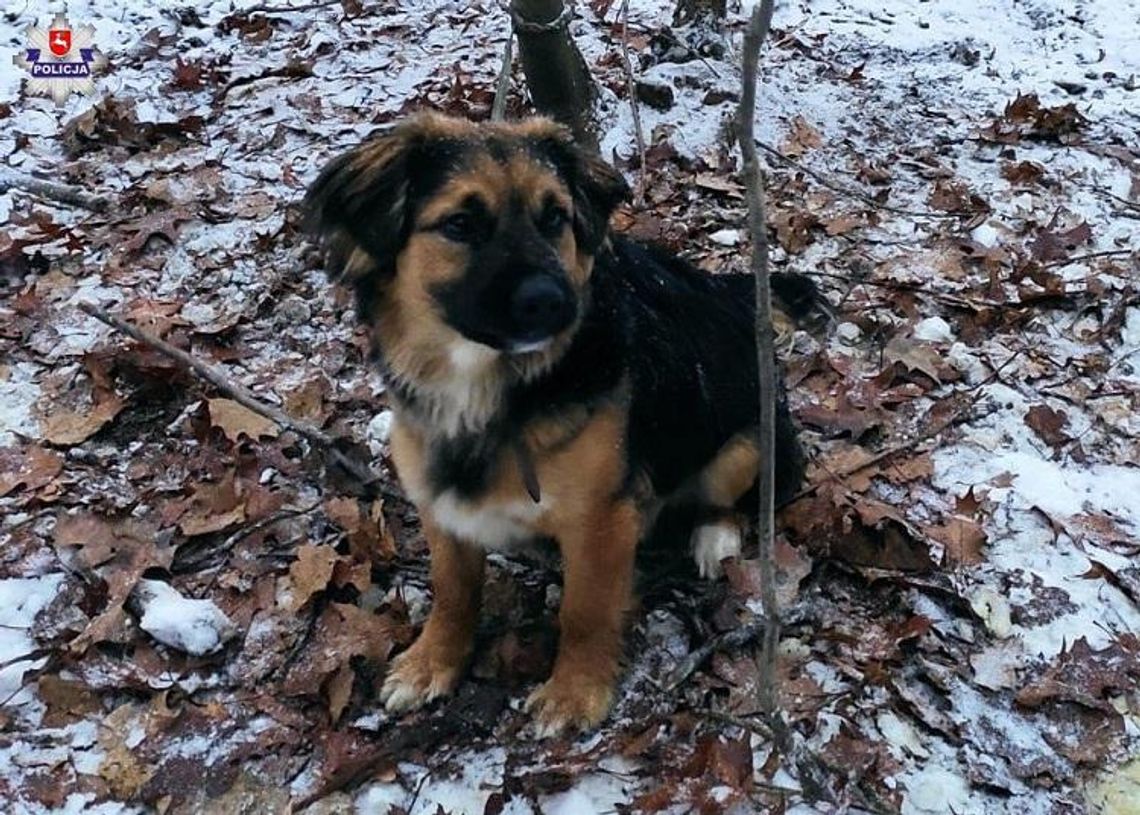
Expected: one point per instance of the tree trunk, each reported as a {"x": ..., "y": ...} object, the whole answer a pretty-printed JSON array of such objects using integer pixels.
[
  {"x": 559, "y": 81},
  {"x": 706, "y": 12}
]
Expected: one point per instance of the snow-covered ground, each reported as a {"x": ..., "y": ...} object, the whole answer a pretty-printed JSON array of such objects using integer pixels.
[{"x": 969, "y": 607}]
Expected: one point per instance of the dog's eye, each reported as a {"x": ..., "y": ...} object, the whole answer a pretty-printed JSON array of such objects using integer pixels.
[
  {"x": 460, "y": 227},
  {"x": 552, "y": 221}
]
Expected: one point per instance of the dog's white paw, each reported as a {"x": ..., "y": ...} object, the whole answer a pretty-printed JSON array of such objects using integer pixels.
[{"x": 712, "y": 543}]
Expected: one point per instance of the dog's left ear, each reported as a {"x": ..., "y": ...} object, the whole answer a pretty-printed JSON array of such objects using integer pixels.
[
  {"x": 596, "y": 186},
  {"x": 357, "y": 207}
]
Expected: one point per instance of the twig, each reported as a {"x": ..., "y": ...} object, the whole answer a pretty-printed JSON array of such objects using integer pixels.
[
  {"x": 358, "y": 470},
  {"x": 746, "y": 634},
  {"x": 293, "y": 69},
  {"x": 53, "y": 190},
  {"x": 268, "y": 9},
  {"x": 31, "y": 656},
  {"x": 850, "y": 192},
  {"x": 233, "y": 540},
  {"x": 935, "y": 430},
  {"x": 499, "y": 106},
  {"x": 766, "y": 363},
  {"x": 809, "y": 762},
  {"x": 1110, "y": 253},
  {"x": 744, "y": 723},
  {"x": 635, "y": 108}
]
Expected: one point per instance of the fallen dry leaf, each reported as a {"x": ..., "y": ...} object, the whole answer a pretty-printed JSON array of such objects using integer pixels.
[
  {"x": 120, "y": 551},
  {"x": 1048, "y": 424},
  {"x": 369, "y": 538},
  {"x": 311, "y": 572},
  {"x": 339, "y": 691},
  {"x": 912, "y": 355},
  {"x": 67, "y": 427},
  {"x": 803, "y": 137},
  {"x": 341, "y": 633},
  {"x": 962, "y": 538},
  {"x": 307, "y": 400},
  {"x": 30, "y": 467},
  {"x": 212, "y": 508},
  {"x": 236, "y": 420},
  {"x": 1086, "y": 676}
]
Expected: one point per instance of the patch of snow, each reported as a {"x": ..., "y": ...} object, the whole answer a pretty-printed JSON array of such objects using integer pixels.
[
  {"x": 481, "y": 773},
  {"x": 197, "y": 627},
  {"x": 19, "y": 393},
  {"x": 936, "y": 791},
  {"x": 21, "y": 599},
  {"x": 593, "y": 793}
]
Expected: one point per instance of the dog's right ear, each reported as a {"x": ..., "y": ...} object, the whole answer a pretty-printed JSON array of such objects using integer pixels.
[{"x": 357, "y": 207}]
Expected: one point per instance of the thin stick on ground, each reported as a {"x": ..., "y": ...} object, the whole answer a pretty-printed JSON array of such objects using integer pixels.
[
  {"x": 635, "y": 108},
  {"x": 974, "y": 393},
  {"x": 835, "y": 186},
  {"x": 53, "y": 190},
  {"x": 766, "y": 359},
  {"x": 358, "y": 470}
]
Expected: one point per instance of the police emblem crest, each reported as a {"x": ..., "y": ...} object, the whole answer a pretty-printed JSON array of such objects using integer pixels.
[{"x": 60, "y": 60}]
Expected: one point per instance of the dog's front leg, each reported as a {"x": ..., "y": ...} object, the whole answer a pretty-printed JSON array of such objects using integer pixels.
[
  {"x": 434, "y": 664},
  {"x": 597, "y": 564}
]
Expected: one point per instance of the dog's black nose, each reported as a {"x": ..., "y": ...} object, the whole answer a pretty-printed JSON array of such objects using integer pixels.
[{"x": 541, "y": 307}]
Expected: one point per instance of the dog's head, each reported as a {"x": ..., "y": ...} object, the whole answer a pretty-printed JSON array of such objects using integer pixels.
[{"x": 454, "y": 233}]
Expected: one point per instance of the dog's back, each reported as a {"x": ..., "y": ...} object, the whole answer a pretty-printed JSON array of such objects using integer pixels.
[{"x": 692, "y": 360}]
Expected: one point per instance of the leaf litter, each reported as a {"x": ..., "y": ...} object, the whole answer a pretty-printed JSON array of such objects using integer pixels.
[{"x": 194, "y": 617}]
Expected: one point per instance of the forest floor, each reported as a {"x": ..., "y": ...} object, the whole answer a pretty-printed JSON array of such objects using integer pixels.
[{"x": 193, "y": 618}]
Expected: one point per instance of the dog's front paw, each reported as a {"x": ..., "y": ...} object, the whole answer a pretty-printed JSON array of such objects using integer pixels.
[
  {"x": 418, "y": 676},
  {"x": 562, "y": 705}
]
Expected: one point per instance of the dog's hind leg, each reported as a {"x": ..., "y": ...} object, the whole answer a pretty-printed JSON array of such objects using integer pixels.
[{"x": 718, "y": 533}]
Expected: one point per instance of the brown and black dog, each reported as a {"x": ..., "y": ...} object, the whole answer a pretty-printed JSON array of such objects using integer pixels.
[{"x": 550, "y": 382}]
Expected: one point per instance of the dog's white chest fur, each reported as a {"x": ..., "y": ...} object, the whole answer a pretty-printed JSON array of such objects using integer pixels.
[{"x": 492, "y": 526}]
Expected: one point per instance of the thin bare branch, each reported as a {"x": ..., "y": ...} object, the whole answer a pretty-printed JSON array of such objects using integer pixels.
[
  {"x": 212, "y": 374},
  {"x": 850, "y": 192},
  {"x": 53, "y": 190},
  {"x": 634, "y": 106},
  {"x": 766, "y": 360}
]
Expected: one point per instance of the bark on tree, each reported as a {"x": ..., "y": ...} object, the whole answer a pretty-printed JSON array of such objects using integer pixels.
[
  {"x": 559, "y": 81},
  {"x": 708, "y": 12}
]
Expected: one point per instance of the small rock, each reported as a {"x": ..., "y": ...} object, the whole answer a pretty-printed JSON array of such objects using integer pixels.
[
  {"x": 984, "y": 235},
  {"x": 294, "y": 309},
  {"x": 972, "y": 369},
  {"x": 848, "y": 333},
  {"x": 994, "y": 611},
  {"x": 933, "y": 329},
  {"x": 965, "y": 55},
  {"x": 1074, "y": 88},
  {"x": 380, "y": 428},
  {"x": 726, "y": 237},
  {"x": 657, "y": 96},
  {"x": 717, "y": 95},
  {"x": 197, "y": 627}
]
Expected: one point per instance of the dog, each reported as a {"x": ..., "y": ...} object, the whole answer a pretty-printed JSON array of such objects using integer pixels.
[{"x": 550, "y": 381}]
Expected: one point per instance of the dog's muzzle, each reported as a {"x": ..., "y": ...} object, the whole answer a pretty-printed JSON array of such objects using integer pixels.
[{"x": 541, "y": 307}]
